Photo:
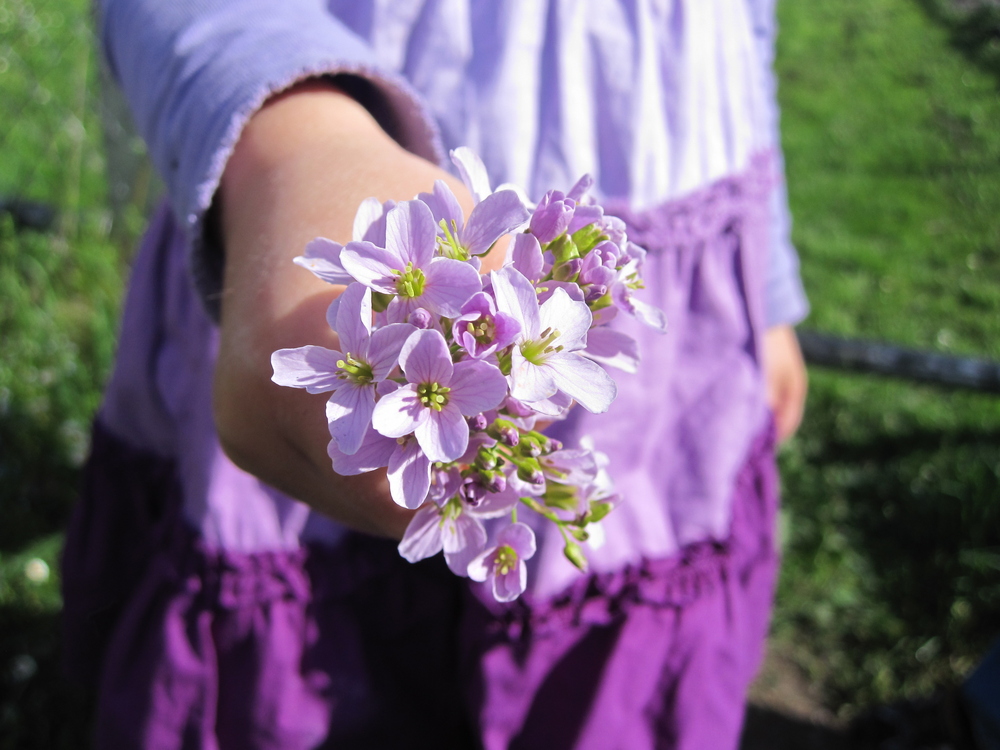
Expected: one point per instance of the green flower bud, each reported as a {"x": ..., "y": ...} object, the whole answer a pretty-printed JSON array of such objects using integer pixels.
[{"x": 575, "y": 555}]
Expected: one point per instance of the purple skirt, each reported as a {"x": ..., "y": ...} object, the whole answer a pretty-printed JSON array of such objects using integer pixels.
[{"x": 352, "y": 647}]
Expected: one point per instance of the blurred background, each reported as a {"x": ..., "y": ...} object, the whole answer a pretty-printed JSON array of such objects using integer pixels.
[{"x": 890, "y": 592}]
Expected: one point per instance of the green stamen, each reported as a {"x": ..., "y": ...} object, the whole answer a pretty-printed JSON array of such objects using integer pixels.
[
  {"x": 537, "y": 351},
  {"x": 449, "y": 245},
  {"x": 483, "y": 330},
  {"x": 354, "y": 370},
  {"x": 410, "y": 282},
  {"x": 433, "y": 395},
  {"x": 505, "y": 559}
]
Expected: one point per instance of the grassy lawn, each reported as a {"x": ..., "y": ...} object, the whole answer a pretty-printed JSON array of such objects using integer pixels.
[
  {"x": 892, "y": 525},
  {"x": 891, "y": 586}
]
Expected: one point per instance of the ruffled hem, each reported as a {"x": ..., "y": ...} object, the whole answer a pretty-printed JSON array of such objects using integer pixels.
[{"x": 703, "y": 214}]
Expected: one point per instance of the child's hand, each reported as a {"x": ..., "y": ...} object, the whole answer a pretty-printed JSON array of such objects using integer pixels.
[
  {"x": 787, "y": 381},
  {"x": 303, "y": 165}
]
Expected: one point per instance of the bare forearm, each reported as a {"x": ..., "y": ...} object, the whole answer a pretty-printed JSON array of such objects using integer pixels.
[{"x": 303, "y": 165}]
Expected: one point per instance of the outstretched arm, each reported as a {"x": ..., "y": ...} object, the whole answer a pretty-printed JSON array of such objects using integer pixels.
[{"x": 302, "y": 166}]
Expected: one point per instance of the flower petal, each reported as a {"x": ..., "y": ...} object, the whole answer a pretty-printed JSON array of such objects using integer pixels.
[
  {"x": 369, "y": 212},
  {"x": 372, "y": 265},
  {"x": 373, "y": 454},
  {"x": 410, "y": 233},
  {"x": 311, "y": 367},
  {"x": 349, "y": 415},
  {"x": 571, "y": 318},
  {"x": 526, "y": 256},
  {"x": 493, "y": 217},
  {"x": 584, "y": 380},
  {"x": 448, "y": 285},
  {"x": 444, "y": 435},
  {"x": 384, "y": 348},
  {"x": 444, "y": 205},
  {"x": 425, "y": 358},
  {"x": 322, "y": 257},
  {"x": 422, "y": 538},
  {"x": 476, "y": 387},
  {"x": 520, "y": 537},
  {"x": 506, "y": 588},
  {"x": 472, "y": 171},
  {"x": 516, "y": 296},
  {"x": 354, "y": 319},
  {"x": 482, "y": 565},
  {"x": 399, "y": 413},
  {"x": 612, "y": 348},
  {"x": 409, "y": 475},
  {"x": 529, "y": 382},
  {"x": 463, "y": 538},
  {"x": 496, "y": 504}
]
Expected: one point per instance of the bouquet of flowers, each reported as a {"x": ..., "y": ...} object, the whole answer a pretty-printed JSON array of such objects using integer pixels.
[{"x": 443, "y": 374}]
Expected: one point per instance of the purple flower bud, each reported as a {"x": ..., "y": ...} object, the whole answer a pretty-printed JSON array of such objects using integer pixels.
[
  {"x": 509, "y": 435},
  {"x": 552, "y": 445},
  {"x": 552, "y": 216},
  {"x": 530, "y": 448},
  {"x": 594, "y": 292},
  {"x": 529, "y": 470},
  {"x": 473, "y": 492},
  {"x": 421, "y": 318},
  {"x": 567, "y": 271},
  {"x": 478, "y": 423},
  {"x": 486, "y": 458},
  {"x": 493, "y": 481},
  {"x": 515, "y": 408}
]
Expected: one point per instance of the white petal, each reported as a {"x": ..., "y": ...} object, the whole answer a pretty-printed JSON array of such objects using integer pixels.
[
  {"x": 463, "y": 538},
  {"x": 399, "y": 413},
  {"x": 422, "y": 538},
  {"x": 516, "y": 296},
  {"x": 409, "y": 475},
  {"x": 354, "y": 319},
  {"x": 612, "y": 348},
  {"x": 322, "y": 257},
  {"x": 368, "y": 213},
  {"x": 529, "y": 382},
  {"x": 584, "y": 380},
  {"x": 311, "y": 367},
  {"x": 572, "y": 320},
  {"x": 472, "y": 171}
]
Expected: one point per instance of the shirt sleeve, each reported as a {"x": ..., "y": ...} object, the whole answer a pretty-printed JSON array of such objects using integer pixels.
[
  {"x": 194, "y": 71},
  {"x": 786, "y": 301}
]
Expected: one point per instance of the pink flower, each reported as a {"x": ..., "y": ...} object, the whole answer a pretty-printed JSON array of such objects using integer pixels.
[
  {"x": 547, "y": 357},
  {"x": 437, "y": 397},
  {"x": 503, "y": 565},
  {"x": 406, "y": 266},
  {"x": 352, "y": 374}
]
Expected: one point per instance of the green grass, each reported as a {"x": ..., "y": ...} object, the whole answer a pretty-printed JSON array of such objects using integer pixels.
[
  {"x": 890, "y": 587},
  {"x": 891, "y": 527},
  {"x": 59, "y": 298}
]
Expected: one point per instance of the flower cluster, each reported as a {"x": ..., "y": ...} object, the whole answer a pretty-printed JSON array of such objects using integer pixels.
[{"x": 442, "y": 373}]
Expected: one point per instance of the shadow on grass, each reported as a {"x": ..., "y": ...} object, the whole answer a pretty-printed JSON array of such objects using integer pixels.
[
  {"x": 765, "y": 729},
  {"x": 924, "y": 509},
  {"x": 974, "y": 27},
  {"x": 37, "y": 484},
  {"x": 38, "y": 709},
  {"x": 891, "y": 585}
]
